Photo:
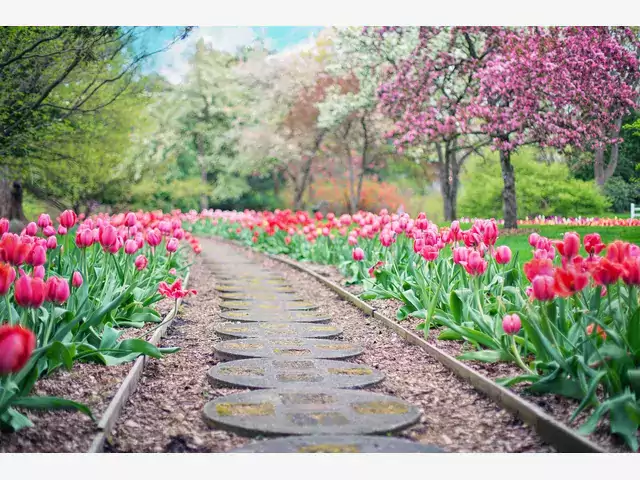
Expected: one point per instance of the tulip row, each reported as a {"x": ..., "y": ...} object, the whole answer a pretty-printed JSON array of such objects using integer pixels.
[
  {"x": 67, "y": 291},
  {"x": 571, "y": 323},
  {"x": 572, "y": 221}
]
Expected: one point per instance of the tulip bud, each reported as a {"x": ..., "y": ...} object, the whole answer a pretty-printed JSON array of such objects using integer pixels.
[
  {"x": 358, "y": 254},
  {"x": 4, "y": 226},
  {"x": 16, "y": 345},
  {"x": 68, "y": 218},
  {"x": 52, "y": 243},
  {"x": 38, "y": 256},
  {"x": 31, "y": 229},
  {"x": 62, "y": 230},
  {"x": 130, "y": 219},
  {"x": 503, "y": 254},
  {"x": 172, "y": 245},
  {"x": 141, "y": 262},
  {"x": 511, "y": 324},
  {"x": 7, "y": 276},
  {"x": 57, "y": 290},
  {"x": 38, "y": 272},
  {"x": 44, "y": 221},
  {"x": 130, "y": 247},
  {"x": 76, "y": 280}
]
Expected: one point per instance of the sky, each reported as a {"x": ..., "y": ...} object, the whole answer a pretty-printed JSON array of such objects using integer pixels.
[{"x": 172, "y": 63}]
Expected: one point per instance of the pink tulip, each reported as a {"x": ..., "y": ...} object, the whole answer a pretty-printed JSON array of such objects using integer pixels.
[
  {"x": 511, "y": 324},
  {"x": 108, "y": 236},
  {"x": 141, "y": 262},
  {"x": 38, "y": 256},
  {"x": 130, "y": 247},
  {"x": 76, "y": 279},
  {"x": 49, "y": 231},
  {"x": 52, "y": 243},
  {"x": 44, "y": 221},
  {"x": 38, "y": 272},
  {"x": 68, "y": 218},
  {"x": 172, "y": 245},
  {"x": 62, "y": 230},
  {"x": 57, "y": 290},
  {"x": 503, "y": 254},
  {"x": 130, "y": 219},
  {"x": 4, "y": 226},
  {"x": 31, "y": 229},
  {"x": 358, "y": 254}
]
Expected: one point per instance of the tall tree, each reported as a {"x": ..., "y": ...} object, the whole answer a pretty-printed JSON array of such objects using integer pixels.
[{"x": 48, "y": 76}]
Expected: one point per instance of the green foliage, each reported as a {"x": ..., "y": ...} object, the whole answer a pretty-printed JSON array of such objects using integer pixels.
[
  {"x": 621, "y": 194},
  {"x": 541, "y": 189}
]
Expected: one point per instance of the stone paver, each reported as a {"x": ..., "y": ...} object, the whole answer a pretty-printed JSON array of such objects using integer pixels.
[
  {"x": 310, "y": 411},
  {"x": 258, "y": 373},
  {"x": 266, "y": 306},
  {"x": 337, "y": 444},
  {"x": 276, "y": 330},
  {"x": 262, "y": 296},
  {"x": 293, "y": 316},
  {"x": 285, "y": 348}
]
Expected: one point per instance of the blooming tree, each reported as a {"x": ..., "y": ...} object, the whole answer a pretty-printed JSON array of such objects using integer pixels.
[{"x": 559, "y": 87}]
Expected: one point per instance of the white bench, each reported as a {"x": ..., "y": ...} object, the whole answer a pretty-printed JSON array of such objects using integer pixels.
[{"x": 634, "y": 211}]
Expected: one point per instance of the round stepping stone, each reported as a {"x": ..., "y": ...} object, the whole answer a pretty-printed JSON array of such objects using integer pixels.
[
  {"x": 310, "y": 411},
  {"x": 261, "y": 296},
  {"x": 287, "y": 348},
  {"x": 248, "y": 276},
  {"x": 238, "y": 287},
  {"x": 276, "y": 330},
  {"x": 295, "y": 316},
  {"x": 337, "y": 444},
  {"x": 266, "y": 306},
  {"x": 272, "y": 373}
]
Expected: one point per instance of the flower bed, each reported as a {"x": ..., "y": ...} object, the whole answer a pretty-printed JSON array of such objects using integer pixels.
[
  {"x": 83, "y": 291},
  {"x": 568, "y": 321}
]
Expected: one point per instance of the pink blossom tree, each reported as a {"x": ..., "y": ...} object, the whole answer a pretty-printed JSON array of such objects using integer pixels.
[
  {"x": 559, "y": 87},
  {"x": 429, "y": 94}
]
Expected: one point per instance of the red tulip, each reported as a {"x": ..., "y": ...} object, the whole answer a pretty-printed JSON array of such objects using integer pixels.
[
  {"x": 570, "y": 246},
  {"x": 593, "y": 244},
  {"x": 568, "y": 281},
  {"x": 599, "y": 331},
  {"x": 141, "y": 262},
  {"x": 606, "y": 272},
  {"x": 13, "y": 249},
  {"x": 511, "y": 324},
  {"x": 537, "y": 267},
  {"x": 631, "y": 271},
  {"x": 543, "y": 287},
  {"x": 29, "y": 292},
  {"x": 16, "y": 345},
  {"x": 174, "y": 291},
  {"x": 618, "y": 251},
  {"x": 68, "y": 218},
  {"x": 4, "y": 226},
  {"x": 503, "y": 254},
  {"x": 7, "y": 276},
  {"x": 358, "y": 254},
  {"x": 76, "y": 280}
]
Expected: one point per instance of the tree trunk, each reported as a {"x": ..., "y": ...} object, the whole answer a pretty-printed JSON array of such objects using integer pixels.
[
  {"x": 11, "y": 200},
  {"x": 603, "y": 172},
  {"x": 449, "y": 170},
  {"x": 204, "y": 198},
  {"x": 509, "y": 202},
  {"x": 301, "y": 186}
]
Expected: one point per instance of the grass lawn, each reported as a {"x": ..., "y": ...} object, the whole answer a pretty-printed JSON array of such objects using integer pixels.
[{"x": 519, "y": 244}]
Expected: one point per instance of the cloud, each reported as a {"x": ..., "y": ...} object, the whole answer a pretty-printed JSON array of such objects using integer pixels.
[{"x": 174, "y": 64}]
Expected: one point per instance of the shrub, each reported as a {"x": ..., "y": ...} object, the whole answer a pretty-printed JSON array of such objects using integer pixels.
[
  {"x": 621, "y": 194},
  {"x": 541, "y": 189},
  {"x": 374, "y": 196}
]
